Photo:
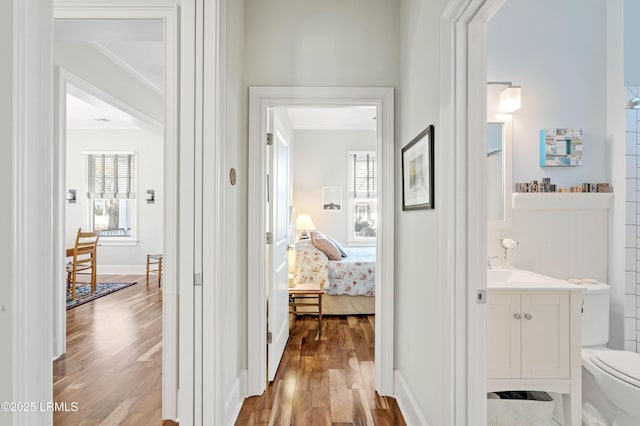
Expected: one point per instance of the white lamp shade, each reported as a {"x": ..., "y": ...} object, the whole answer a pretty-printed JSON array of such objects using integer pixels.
[
  {"x": 510, "y": 99},
  {"x": 304, "y": 223}
]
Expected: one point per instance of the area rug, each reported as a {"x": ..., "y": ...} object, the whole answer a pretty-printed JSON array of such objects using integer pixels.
[{"x": 84, "y": 295}]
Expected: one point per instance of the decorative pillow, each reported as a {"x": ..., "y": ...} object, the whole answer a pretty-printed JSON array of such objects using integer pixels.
[
  {"x": 338, "y": 246},
  {"x": 321, "y": 242}
]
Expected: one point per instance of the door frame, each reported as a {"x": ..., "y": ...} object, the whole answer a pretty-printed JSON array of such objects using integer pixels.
[
  {"x": 28, "y": 313},
  {"x": 463, "y": 234},
  {"x": 175, "y": 206},
  {"x": 260, "y": 98}
]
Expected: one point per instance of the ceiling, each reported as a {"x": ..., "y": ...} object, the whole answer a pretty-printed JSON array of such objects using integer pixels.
[
  {"x": 85, "y": 111},
  {"x": 137, "y": 45}
]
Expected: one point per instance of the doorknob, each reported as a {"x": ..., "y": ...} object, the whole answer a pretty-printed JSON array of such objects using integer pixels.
[
  {"x": 527, "y": 316},
  {"x": 517, "y": 316}
]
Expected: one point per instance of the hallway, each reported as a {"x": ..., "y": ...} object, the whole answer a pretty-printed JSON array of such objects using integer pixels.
[{"x": 324, "y": 379}]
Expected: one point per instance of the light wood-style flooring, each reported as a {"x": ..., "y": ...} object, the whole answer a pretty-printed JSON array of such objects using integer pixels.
[
  {"x": 113, "y": 365},
  {"x": 324, "y": 378}
]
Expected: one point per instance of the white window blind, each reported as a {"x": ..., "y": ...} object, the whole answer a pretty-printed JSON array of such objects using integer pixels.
[
  {"x": 364, "y": 175},
  {"x": 111, "y": 176}
]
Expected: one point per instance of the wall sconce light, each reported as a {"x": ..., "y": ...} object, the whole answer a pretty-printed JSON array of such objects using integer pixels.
[
  {"x": 71, "y": 196},
  {"x": 635, "y": 103},
  {"x": 151, "y": 196},
  {"x": 511, "y": 99},
  {"x": 510, "y": 96}
]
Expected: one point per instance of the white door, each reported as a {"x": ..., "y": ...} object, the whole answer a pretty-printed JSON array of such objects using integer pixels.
[
  {"x": 503, "y": 336},
  {"x": 277, "y": 245},
  {"x": 545, "y": 336}
]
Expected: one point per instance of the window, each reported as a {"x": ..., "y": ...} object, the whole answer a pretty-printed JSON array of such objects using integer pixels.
[
  {"x": 111, "y": 182},
  {"x": 363, "y": 197}
]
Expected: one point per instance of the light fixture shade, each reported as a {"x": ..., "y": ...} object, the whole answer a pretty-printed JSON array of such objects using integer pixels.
[
  {"x": 635, "y": 103},
  {"x": 304, "y": 223},
  {"x": 511, "y": 99}
]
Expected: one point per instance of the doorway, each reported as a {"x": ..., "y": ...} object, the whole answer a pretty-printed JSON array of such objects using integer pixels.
[
  {"x": 101, "y": 31},
  {"x": 261, "y": 100}
]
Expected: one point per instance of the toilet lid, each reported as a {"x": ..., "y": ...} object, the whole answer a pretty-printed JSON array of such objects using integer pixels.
[{"x": 622, "y": 364}]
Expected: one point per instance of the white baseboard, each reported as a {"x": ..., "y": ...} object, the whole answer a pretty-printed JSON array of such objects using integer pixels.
[
  {"x": 233, "y": 404},
  {"x": 411, "y": 412},
  {"x": 122, "y": 270}
]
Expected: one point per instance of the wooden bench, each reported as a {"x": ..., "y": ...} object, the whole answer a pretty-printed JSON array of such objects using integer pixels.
[{"x": 308, "y": 295}]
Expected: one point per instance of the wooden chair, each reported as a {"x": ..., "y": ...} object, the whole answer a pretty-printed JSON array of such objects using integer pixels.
[
  {"x": 154, "y": 266},
  {"x": 83, "y": 260}
]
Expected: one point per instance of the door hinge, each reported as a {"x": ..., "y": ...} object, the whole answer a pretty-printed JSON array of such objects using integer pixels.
[
  {"x": 197, "y": 279},
  {"x": 269, "y": 138},
  {"x": 481, "y": 297},
  {"x": 269, "y": 238},
  {"x": 269, "y": 337}
]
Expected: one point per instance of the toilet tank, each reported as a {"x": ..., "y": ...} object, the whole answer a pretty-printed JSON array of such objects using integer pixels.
[{"x": 595, "y": 314}]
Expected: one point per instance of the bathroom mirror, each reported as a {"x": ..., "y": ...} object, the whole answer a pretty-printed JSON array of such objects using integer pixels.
[
  {"x": 495, "y": 171},
  {"x": 498, "y": 137},
  {"x": 498, "y": 161}
]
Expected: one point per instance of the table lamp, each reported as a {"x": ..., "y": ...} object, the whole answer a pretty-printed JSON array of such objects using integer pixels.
[{"x": 304, "y": 224}]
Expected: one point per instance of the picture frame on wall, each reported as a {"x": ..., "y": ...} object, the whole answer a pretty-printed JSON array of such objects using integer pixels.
[
  {"x": 331, "y": 198},
  {"x": 418, "y": 172}
]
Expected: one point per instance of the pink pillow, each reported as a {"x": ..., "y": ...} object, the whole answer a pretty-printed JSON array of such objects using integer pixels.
[{"x": 325, "y": 245}]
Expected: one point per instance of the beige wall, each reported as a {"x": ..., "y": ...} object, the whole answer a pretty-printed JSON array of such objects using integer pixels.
[
  {"x": 320, "y": 158},
  {"x": 418, "y": 325},
  {"x": 121, "y": 259},
  {"x": 235, "y": 212}
]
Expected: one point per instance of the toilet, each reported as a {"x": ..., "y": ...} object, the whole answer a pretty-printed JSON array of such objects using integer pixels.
[{"x": 610, "y": 378}]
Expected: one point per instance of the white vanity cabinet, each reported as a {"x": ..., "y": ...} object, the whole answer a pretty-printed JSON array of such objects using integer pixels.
[
  {"x": 534, "y": 341},
  {"x": 528, "y": 336}
]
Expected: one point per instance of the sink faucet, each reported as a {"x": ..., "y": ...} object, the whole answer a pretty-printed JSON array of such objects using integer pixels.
[{"x": 489, "y": 259}]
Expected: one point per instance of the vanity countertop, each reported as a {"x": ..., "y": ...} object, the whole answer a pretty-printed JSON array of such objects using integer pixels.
[{"x": 520, "y": 279}]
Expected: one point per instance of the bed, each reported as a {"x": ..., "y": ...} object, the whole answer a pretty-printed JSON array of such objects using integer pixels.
[{"x": 349, "y": 283}]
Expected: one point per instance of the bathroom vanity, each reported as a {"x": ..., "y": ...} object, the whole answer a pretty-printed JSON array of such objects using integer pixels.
[{"x": 534, "y": 336}]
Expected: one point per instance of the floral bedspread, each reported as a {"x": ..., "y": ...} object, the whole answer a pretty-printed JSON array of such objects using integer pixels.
[{"x": 353, "y": 275}]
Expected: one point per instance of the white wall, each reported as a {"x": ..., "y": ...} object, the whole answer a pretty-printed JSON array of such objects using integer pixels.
[
  {"x": 321, "y": 158},
  {"x": 150, "y": 217},
  {"x": 6, "y": 218},
  {"x": 86, "y": 62},
  {"x": 631, "y": 52},
  {"x": 557, "y": 52},
  {"x": 545, "y": 60},
  {"x": 418, "y": 325}
]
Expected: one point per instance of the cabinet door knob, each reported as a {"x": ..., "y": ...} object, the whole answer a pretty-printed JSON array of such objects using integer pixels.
[
  {"x": 527, "y": 316},
  {"x": 517, "y": 316}
]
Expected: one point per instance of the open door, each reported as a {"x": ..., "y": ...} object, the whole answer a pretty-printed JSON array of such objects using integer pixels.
[{"x": 277, "y": 244}]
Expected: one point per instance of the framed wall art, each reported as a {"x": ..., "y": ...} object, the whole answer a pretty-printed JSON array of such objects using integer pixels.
[
  {"x": 560, "y": 147},
  {"x": 332, "y": 198},
  {"x": 418, "y": 173}
]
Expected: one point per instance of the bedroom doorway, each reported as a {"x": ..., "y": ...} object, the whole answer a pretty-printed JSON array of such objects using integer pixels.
[{"x": 375, "y": 226}]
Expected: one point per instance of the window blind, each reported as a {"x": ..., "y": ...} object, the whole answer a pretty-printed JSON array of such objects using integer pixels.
[
  {"x": 111, "y": 176},
  {"x": 364, "y": 175}
]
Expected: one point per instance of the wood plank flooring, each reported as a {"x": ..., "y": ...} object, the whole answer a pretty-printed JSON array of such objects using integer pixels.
[
  {"x": 324, "y": 378},
  {"x": 113, "y": 365}
]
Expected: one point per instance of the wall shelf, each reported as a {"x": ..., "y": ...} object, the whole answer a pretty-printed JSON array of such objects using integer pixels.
[{"x": 561, "y": 200}]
